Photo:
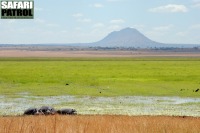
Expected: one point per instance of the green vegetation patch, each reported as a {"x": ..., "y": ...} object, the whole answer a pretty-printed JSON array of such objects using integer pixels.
[{"x": 100, "y": 77}]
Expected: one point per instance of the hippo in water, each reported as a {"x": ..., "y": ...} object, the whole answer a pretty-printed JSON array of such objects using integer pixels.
[
  {"x": 33, "y": 111},
  {"x": 67, "y": 111},
  {"x": 47, "y": 110}
]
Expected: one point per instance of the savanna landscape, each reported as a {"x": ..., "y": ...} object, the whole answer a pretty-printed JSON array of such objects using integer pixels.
[
  {"x": 111, "y": 94},
  {"x": 100, "y": 66}
]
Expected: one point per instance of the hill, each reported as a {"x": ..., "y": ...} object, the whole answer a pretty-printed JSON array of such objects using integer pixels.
[{"x": 128, "y": 37}]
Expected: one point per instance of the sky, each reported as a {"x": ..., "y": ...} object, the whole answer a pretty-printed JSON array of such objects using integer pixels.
[{"x": 82, "y": 21}]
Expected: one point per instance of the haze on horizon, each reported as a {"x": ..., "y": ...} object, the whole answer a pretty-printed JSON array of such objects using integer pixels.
[{"x": 82, "y": 21}]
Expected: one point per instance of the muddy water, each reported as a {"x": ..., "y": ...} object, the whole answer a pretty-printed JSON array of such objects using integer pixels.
[{"x": 126, "y": 105}]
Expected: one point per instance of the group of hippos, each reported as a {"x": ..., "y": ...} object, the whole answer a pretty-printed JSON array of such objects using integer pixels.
[{"x": 47, "y": 110}]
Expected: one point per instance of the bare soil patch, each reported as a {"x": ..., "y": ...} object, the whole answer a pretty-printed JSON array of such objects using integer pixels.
[
  {"x": 99, "y": 124},
  {"x": 27, "y": 53}
]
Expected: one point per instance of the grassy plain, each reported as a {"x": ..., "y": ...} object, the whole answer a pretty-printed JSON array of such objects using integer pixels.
[
  {"x": 99, "y": 124},
  {"x": 155, "y": 76}
]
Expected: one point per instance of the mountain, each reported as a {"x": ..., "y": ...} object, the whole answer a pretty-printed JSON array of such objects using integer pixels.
[{"x": 130, "y": 37}]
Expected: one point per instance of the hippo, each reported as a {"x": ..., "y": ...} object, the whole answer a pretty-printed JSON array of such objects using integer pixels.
[
  {"x": 47, "y": 110},
  {"x": 33, "y": 111},
  {"x": 67, "y": 111}
]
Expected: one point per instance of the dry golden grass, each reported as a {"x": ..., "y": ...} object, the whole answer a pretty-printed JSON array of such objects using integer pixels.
[{"x": 99, "y": 124}]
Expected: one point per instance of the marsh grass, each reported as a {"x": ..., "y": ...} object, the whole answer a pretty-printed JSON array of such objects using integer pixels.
[
  {"x": 99, "y": 124},
  {"x": 100, "y": 77}
]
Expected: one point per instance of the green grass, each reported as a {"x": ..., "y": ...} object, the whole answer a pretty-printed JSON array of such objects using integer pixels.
[{"x": 100, "y": 77}]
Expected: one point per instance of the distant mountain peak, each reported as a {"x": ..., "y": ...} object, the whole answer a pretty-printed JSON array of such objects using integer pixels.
[
  {"x": 129, "y": 29},
  {"x": 127, "y": 37}
]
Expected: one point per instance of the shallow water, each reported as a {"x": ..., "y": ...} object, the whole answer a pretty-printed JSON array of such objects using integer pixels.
[{"x": 125, "y": 105}]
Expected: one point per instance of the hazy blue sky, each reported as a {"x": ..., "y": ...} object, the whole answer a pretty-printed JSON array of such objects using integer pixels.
[{"x": 69, "y": 21}]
